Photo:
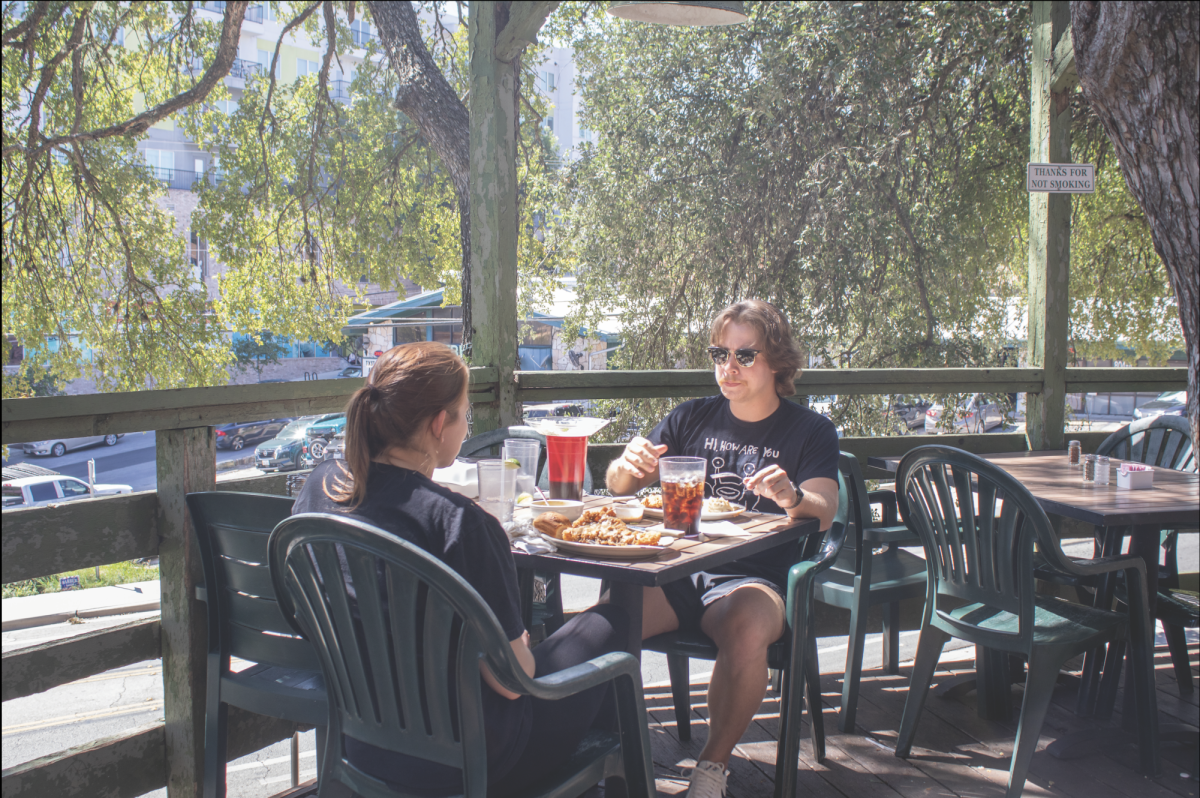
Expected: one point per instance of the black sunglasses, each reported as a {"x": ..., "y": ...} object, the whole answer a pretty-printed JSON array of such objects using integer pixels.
[{"x": 744, "y": 357}]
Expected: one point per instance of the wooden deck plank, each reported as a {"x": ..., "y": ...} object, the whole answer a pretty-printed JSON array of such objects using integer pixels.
[{"x": 957, "y": 753}]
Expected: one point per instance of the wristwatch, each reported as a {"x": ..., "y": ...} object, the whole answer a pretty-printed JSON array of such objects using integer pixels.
[{"x": 799, "y": 498}]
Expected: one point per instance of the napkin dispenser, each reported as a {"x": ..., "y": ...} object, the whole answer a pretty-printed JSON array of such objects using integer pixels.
[
  {"x": 460, "y": 477},
  {"x": 1132, "y": 476}
]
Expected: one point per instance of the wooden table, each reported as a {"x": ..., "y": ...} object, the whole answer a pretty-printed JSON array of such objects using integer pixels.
[
  {"x": 626, "y": 578},
  {"x": 1174, "y": 502},
  {"x": 1059, "y": 489}
]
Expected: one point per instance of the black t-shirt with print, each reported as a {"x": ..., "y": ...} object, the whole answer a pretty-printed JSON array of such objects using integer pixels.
[
  {"x": 457, "y": 531},
  {"x": 801, "y": 442}
]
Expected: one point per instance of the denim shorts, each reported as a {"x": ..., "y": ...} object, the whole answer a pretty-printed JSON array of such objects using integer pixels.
[{"x": 691, "y": 596}]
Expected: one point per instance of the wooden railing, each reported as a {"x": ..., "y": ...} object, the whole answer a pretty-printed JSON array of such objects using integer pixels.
[{"x": 41, "y": 541}]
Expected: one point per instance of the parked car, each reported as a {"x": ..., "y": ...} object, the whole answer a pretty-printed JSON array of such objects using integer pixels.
[
  {"x": 285, "y": 452},
  {"x": 910, "y": 411},
  {"x": 341, "y": 374},
  {"x": 980, "y": 413},
  {"x": 551, "y": 409},
  {"x": 1171, "y": 403},
  {"x": 49, "y": 489},
  {"x": 236, "y": 436},
  {"x": 321, "y": 433},
  {"x": 60, "y": 446},
  {"x": 336, "y": 450}
]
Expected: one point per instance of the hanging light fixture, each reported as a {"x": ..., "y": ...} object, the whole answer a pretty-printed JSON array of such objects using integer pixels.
[{"x": 687, "y": 12}]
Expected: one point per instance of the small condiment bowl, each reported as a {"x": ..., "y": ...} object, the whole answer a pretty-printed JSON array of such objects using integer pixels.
[
  {"x": 565, "y": 507},
  {"x": 629, "y": 512}
]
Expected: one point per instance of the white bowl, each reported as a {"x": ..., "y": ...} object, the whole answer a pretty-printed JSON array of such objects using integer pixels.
[
  {"x": 629, "y": 512},
  {"x": 565, "y": 507}
]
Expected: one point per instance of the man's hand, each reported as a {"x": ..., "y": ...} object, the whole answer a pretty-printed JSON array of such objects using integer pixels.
[
  {"x": 640, "y": 458},
  {"x": 772, "y": 483},
  {"x": 635, "y": 468}
]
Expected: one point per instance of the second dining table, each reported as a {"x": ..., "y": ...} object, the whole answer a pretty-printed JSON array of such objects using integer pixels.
[
  {"x": 1173, "y": 502},
  {"x": 626, "y": 578}
]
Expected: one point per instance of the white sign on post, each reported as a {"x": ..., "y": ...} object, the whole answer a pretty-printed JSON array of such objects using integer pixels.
[{"x": 1061, "y": 178}]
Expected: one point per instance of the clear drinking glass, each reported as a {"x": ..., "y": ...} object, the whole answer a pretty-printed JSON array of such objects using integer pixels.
[
  {"x": 525, "y": 452},
  {"x": 683, "y": 492},
  {"x": 497, "y": 488}
]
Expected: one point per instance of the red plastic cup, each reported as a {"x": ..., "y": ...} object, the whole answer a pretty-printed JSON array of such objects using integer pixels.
[{"x": 566, "y": 458}]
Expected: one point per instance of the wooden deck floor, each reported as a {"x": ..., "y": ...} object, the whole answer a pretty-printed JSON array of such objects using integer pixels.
[{"x": 956, "y": 753}]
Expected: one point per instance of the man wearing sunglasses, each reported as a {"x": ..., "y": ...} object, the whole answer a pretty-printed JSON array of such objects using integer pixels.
[{"x": 768, "y": 454}]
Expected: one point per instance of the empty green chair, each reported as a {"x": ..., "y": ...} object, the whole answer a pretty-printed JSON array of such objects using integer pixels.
[
  {"x": 403, "y": 669},
  {"x": 979, "y": 526},
  {"x": 871, "y": 569},
  {"x": 244, "y": 621},
  {"x": 795, "y": 654},
  {"x": 1166, "y": 442}
]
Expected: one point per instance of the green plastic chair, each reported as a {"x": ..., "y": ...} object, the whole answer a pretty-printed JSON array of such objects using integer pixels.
[
  {"x": 978, "y": 526},
  {"x": 244, "y": 621},
  {"x": 418, "y": 629},
  {"x": 1166, "y": 442},
  {"x": 871, "y": 569},
  {"x": 794, "y": 654}
]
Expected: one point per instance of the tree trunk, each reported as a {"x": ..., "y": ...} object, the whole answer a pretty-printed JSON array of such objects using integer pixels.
[
  {"x": 428, "y": 99},
  {"x": 1138, "y": 65}
]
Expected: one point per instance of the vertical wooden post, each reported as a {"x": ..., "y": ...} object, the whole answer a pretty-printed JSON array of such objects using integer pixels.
[
  {"x": 186, "y": 463},
  {"x": 1049, "y": 232},
  {"x": 494, "y": 113}
]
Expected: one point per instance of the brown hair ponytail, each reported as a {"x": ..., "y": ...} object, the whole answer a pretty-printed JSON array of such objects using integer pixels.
[{"x": 408, "y": 386}]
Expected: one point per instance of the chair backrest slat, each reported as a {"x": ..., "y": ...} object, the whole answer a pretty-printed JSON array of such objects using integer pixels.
[
  {"x": 340, "y": 616},
  {"x": 978, "y": 526},
  {"x": 251, "y": 579},
  {"x": 239, "y": 543}
]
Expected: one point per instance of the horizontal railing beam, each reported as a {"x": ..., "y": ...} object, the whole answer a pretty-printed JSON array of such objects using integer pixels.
[
  {"x": 130, "y": 764},
  {"x": 56, "y": 538},
  {"x": 40, "y": 667},
  {"x": 1144, "y": 379},
  {"x": 140, "y": 411},
  {"x": 122, "y": 766},
  {"x": 533, "y": 386}
]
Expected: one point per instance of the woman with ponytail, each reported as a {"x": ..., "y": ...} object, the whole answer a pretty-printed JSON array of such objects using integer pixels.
[{"x": 409, "y": 418}]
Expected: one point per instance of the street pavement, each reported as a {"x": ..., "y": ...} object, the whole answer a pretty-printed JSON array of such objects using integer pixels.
[{"x": 129, "y": 462}]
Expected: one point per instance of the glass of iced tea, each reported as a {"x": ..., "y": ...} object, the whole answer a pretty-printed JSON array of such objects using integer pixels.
[{"x": 683, "y": 492}]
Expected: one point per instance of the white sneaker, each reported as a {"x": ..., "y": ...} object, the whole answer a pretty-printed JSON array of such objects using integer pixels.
[{"x": 708, "y": 780}]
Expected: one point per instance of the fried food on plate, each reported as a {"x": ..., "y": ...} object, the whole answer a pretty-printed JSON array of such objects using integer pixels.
[
  {"x": 602, "y": 527},
  {"x": 653, "y": 501}
]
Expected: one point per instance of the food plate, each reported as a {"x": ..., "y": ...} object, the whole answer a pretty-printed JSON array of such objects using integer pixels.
[
  {"x": 704, "y": 516},
  {"x": 609, "y": 552}
]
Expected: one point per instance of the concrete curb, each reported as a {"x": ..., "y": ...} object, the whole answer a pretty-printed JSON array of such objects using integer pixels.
[
  {"x": 229, "y": 465},
  {"x": 33, "y": 621},
  {"x": 27, "y": 612}
]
